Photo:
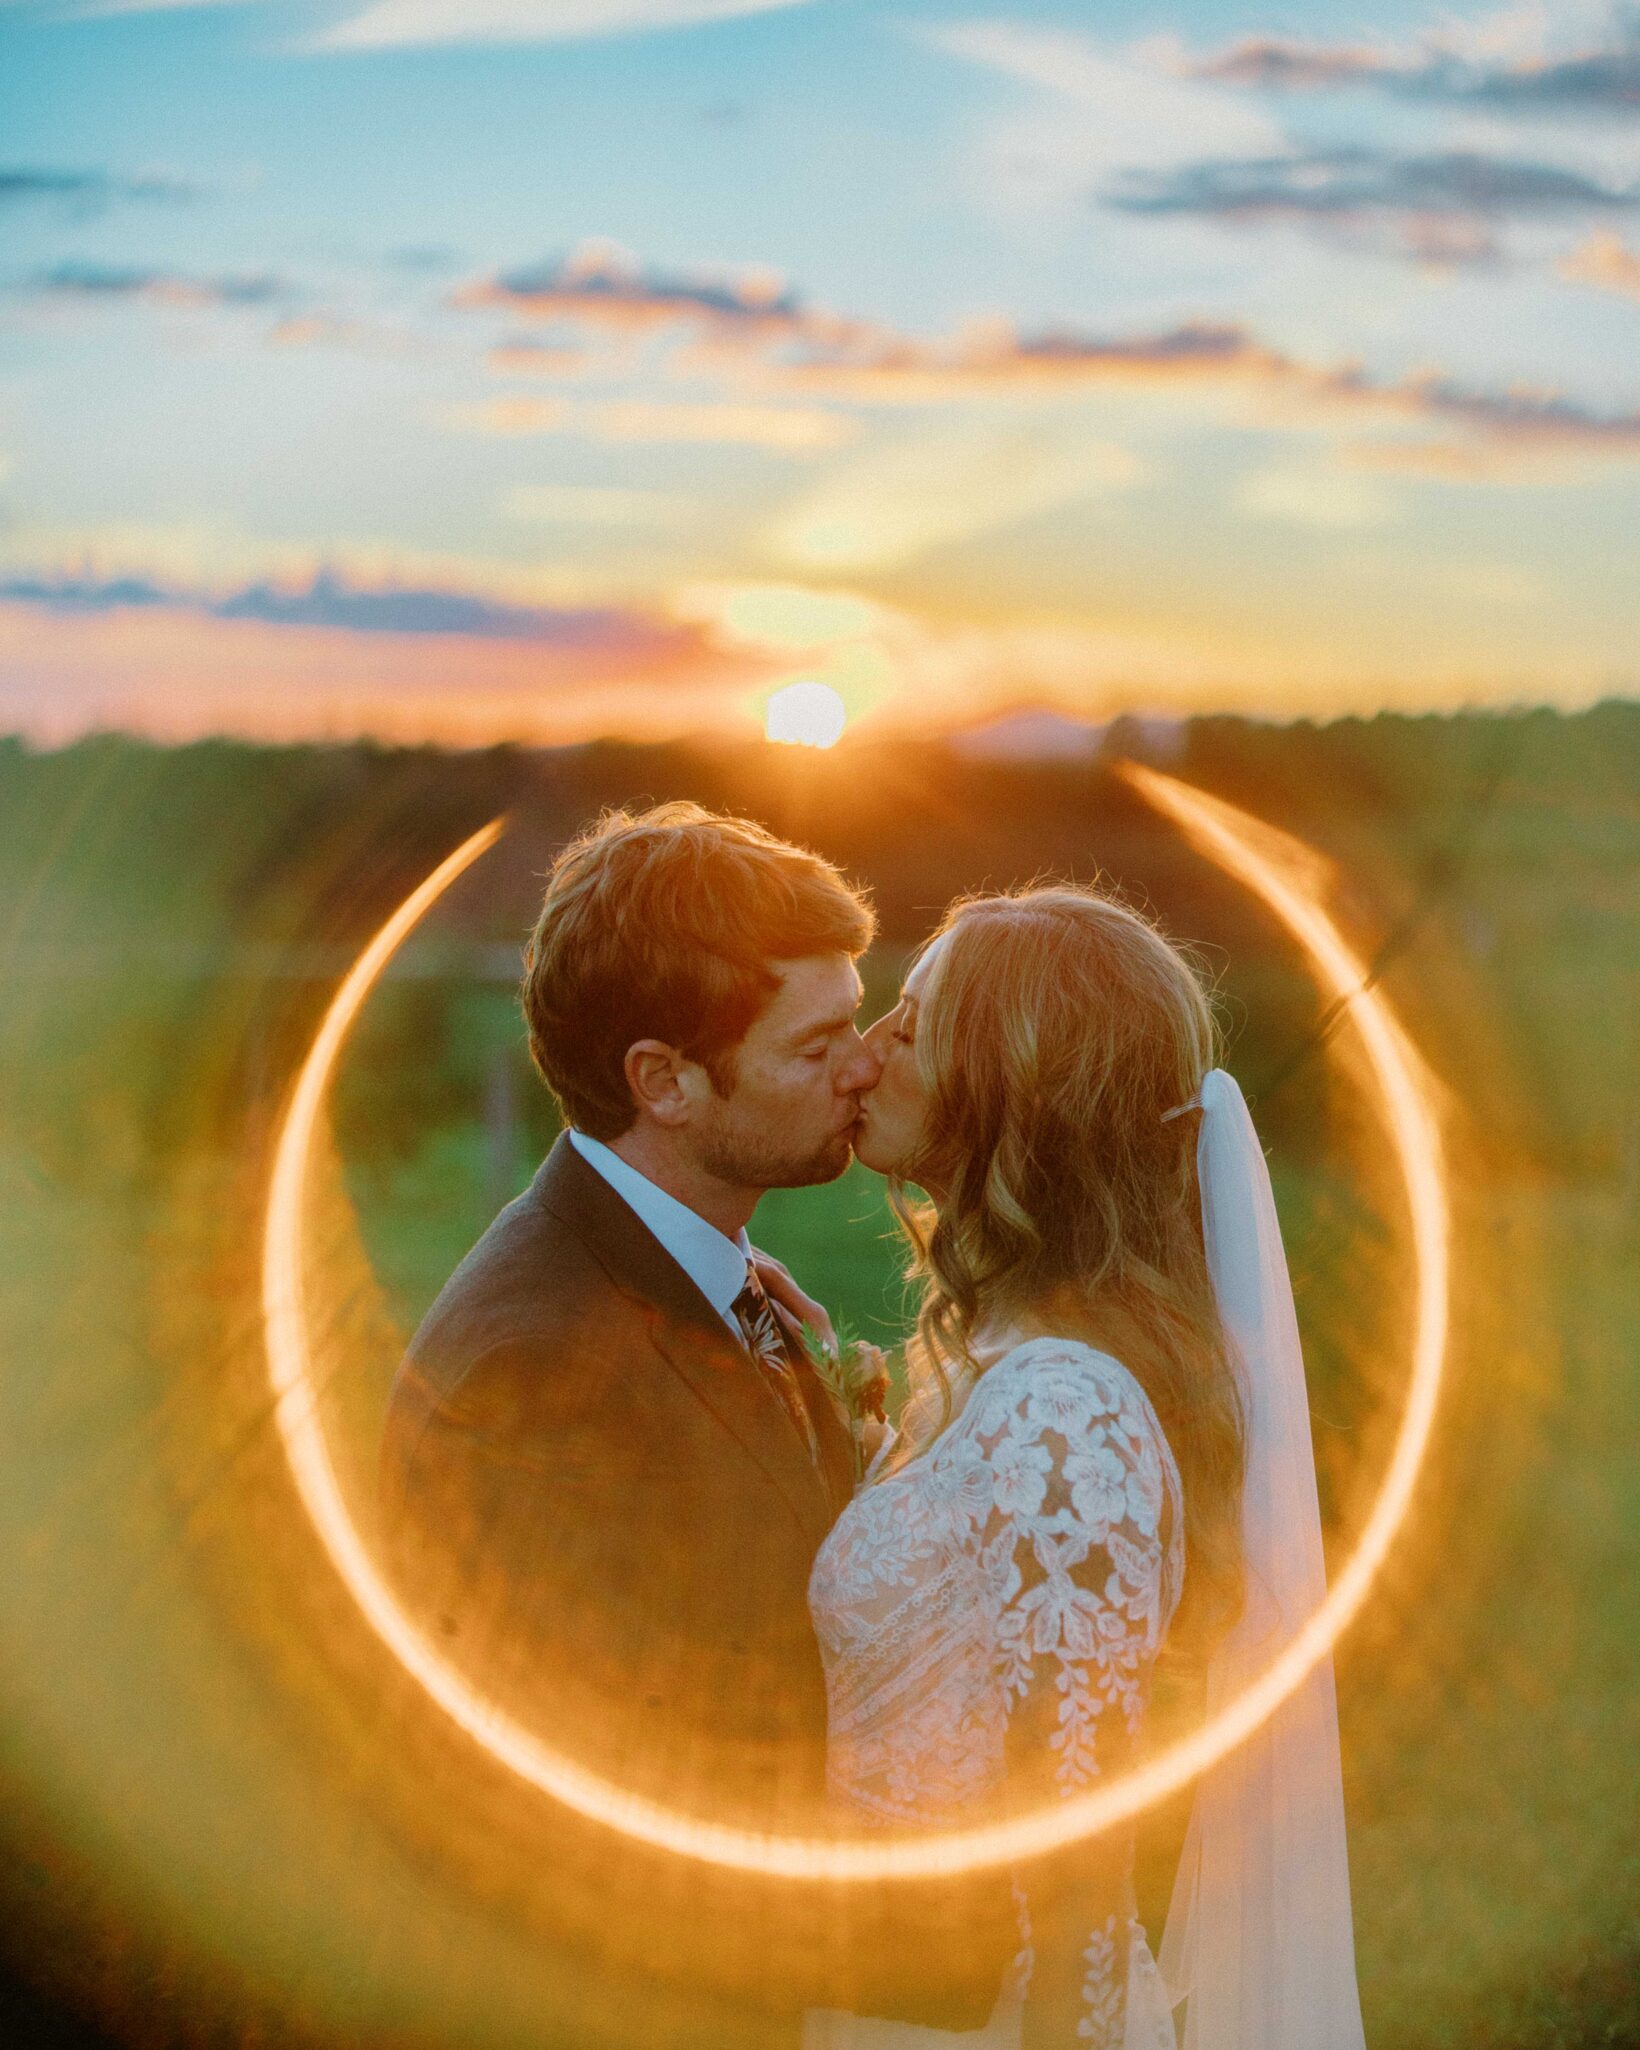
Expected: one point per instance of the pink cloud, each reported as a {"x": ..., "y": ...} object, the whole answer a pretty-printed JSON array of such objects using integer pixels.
[
  {"x": 1606, "y": 262},
  {"x": 176, "y": 672}
]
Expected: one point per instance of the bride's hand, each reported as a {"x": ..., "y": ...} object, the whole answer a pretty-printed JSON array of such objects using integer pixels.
[{"x": 785, "y": 1294}]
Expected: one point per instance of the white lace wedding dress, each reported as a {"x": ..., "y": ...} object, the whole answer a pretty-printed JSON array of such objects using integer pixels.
[{"x": 990, "y": 1612}]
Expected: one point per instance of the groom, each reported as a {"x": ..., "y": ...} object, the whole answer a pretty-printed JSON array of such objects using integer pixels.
[{"x": 608, "y": 1463}]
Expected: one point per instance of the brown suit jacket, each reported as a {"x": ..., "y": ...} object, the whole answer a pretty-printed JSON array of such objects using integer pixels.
[{"x": 596, "y": 1501}]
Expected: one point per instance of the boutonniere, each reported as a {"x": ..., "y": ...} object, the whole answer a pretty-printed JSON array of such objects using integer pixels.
[{"x": 854, "y": 1373}]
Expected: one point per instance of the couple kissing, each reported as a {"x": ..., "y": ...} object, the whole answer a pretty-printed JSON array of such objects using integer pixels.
[{"x": 631, "y": 1493}]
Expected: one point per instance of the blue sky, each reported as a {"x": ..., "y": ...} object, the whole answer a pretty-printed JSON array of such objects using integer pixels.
[{"x": 1175, "y": 357}]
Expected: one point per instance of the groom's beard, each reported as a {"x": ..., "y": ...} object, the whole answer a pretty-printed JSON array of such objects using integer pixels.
[{"x": 767, "y": 1160}]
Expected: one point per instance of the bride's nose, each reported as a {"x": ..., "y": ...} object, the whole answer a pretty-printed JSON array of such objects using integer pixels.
[{"x": 876, "y": 1037}]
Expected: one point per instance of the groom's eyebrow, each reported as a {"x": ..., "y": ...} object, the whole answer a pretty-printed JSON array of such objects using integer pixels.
[
  {"x": 829, "y": 1027},
  {"x": 822, "y": 1028}
]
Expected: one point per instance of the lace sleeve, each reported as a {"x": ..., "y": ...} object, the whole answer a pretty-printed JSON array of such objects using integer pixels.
[{"x": 1079, "y": 1550}]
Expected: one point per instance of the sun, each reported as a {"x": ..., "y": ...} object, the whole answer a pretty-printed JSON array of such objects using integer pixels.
[{"x": 806, "y": 714}]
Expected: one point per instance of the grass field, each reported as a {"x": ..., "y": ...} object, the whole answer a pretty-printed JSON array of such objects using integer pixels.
[{"x": 196, "y": 1750}]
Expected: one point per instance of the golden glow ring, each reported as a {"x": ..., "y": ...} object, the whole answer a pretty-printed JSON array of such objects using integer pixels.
[{"x": 1243, "y": 848}]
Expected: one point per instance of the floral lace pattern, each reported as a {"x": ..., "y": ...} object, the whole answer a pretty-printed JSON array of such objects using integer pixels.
[
  {"x": 1102, "y": 2003},
  {"x": 1007, "y": 1591}
]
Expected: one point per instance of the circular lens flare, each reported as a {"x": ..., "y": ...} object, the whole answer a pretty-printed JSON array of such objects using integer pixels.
[{"x": 1283, "y": 875}]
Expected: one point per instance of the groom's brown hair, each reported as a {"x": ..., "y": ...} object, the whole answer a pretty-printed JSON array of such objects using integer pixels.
[{"x": 662, "y": 925}]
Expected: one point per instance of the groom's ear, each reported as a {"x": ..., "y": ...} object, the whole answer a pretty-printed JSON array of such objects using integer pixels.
[{"x": 664, "y": 1084}]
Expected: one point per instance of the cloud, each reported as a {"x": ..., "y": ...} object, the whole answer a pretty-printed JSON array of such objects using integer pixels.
[
  {"x": 82, "y": 594},
  {"x": 1521, "y": 419},
  {"x": 993, "y": 360},
  {"x": 1154, "y": 115},
  {"x": 447, "y": 650},
  {"x": 788, "y": 619},
  {"x": 1606, "y": 262},
  {"x": 602, "y": 287},
  {"x": 323, "y": 329},
  {"x": 1094, "y": 109},
  {"x": 1501, "y": 437},
  {"x": 1445, "y": 206},
  {"x": 329, "y": 600},
  {"x": 395, "y": 24},
  {"x": 1604, "y": 82},
  {"x": 1519, "y": 423},
  {"x": 529, "y": 358},
  {"x": 1361, "y": 180},
  {"x": 768, "y": 348},
  {"x": 85, "y": 193},
  {"x": 175, "y": 673},
  {"x": 785, "y": 430},
  {"x": 297, "y": 321},
  {"x": 91, "y": 283},
  {"x": 1601, "y": 78},
  {"x": 754, "y": 330},
  {"x": 1285, "y": 64},
  {"x": 1151, "y": 130},
  {"x": 898, "y": 504}
]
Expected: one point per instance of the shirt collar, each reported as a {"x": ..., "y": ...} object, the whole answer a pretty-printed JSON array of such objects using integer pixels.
[{"x": 715, "y": 1264}]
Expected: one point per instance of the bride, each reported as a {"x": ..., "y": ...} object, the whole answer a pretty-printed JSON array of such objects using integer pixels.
[{"x": 1096, "y": 1461}]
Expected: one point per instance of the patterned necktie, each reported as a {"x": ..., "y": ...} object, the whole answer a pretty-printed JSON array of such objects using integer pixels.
[{"x": 754, "y": 1313}]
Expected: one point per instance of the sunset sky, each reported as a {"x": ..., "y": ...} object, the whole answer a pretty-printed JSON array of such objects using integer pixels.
[{"x": 472, "y": 369}]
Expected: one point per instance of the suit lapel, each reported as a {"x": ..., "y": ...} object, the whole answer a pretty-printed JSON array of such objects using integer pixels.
[
  {"x": 830, "y": 1430},
  {"x": 737, "y": 1392},
  {"x": 687, "y": 1332}
]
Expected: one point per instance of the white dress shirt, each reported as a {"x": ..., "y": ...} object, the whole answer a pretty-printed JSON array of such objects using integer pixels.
[{"x": 715, "y": 1264}]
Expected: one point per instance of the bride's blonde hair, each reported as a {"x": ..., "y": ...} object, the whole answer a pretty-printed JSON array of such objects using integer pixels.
[{"x": 1054, "y": 1029}]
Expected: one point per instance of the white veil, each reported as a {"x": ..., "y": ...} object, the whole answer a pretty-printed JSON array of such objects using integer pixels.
[{"x": 1259, "y": 1937}]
